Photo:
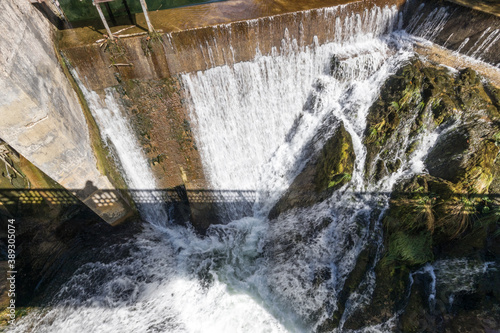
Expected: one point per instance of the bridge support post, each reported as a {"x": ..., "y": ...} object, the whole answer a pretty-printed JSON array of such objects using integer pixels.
[
  {"x": 99, "y": 10},
  {"x": 145, "y": 10}
]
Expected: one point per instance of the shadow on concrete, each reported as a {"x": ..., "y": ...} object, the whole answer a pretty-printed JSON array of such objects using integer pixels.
[
  {"x": 103, "y": 198},
  {"x": 201, "y": 208}
]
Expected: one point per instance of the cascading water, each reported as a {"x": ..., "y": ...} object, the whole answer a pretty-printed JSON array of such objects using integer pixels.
[
  {"x": 257, "y": 125},
  {"x": 116, "y": 131},
  {"x": 428, "y": 26}
]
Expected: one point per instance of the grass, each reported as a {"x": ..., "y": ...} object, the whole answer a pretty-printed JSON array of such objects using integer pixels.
[{"x": 462, "y": 212}]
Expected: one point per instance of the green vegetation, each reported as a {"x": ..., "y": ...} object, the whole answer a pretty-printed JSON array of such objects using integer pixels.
[
  {"x": 337, "y": 179},
  {"x": 414, "y": 249},
  {"x": 336, "y": 162}
]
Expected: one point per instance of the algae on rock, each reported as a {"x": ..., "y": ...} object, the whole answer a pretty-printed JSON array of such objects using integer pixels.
[
  {"x": 323, "y": 174},
  {"x": 446, "y": 212}
]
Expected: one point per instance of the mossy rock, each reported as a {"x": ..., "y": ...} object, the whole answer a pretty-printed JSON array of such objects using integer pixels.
[
  {"x": 335, "y": 163},
  {"x": 399, "y": 96},
  {"x": 446, "y": 157},
  {"x": 429, "y": 216},
  {"x": 388, "y": 297},
  {"x": 447, "y": 213},
  {"x": 466, "y": 156},
  {"x": 323, "y": 174},
  {"x": 466, "y": 153},
  {"x": 418, "y": 91}
]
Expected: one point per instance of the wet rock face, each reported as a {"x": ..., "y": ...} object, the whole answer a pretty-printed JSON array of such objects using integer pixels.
[
  {"x": 388, "y": 119},
  {"x": 461, "y": 28},
  {"x": 426, "y": 98},
  {"x": 467, "y": 150},
  {"x": 324, "y": 173},
  {"x": 445, "y": 158},
  {"x": 444, "y": 213}
]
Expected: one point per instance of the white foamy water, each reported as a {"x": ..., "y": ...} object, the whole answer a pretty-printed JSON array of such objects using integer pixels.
[{"x": 244, "y": 113}]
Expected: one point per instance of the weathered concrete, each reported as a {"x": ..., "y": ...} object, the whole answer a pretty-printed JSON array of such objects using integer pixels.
[
  {"x": 200, "y": 48},
  {"x": 41, "y": 114},
  {"x": 487, "y": 6},
  {"x": 143, "y": 71},
  {"x": 203, "y": 48},
  {"x": 151, "y": 100},
  {"x": 459, "y": 28},
  {"x": 440, "y": 55},
  {"x": 206, "y": 15}
]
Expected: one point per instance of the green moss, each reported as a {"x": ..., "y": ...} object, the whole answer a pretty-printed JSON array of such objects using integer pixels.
[
  {"x": 336, "y": 162},
  {"x": 19, "y": 313},
  {"x": 410, "y": 249},
  {"x": 339, "y": 179},
  {"x": 496, "y": 138}
]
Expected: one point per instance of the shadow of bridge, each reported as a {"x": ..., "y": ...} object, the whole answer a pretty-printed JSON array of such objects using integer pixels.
[{"x": 107, "y": 197}]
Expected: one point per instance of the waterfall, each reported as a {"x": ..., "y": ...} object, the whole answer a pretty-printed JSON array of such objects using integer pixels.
[
  {"x": 258, "y": 123},
  {"x": 118, "y": 134},
  {"x": 434, "y": 25},
  {"x": 243, "y": 113}
]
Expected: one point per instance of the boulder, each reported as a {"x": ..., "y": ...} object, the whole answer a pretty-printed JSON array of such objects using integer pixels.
[{"x": 331, "y": 168}]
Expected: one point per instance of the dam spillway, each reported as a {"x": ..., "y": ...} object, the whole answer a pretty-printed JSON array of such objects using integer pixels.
[{"x": 271, "y": 161}]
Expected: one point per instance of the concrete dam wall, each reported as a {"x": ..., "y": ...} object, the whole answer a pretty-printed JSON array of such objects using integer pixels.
[
  {"x": 467, "y": 31},
  {"x": 202, "y": 48},
  {"x": 141, "y": 75},
  {"x": 42, "y": 115}
]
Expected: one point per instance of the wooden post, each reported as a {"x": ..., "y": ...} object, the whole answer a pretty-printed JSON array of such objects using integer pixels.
[
  {"x": 145, "y": 10},
  {"x": 98, "y": 6}
]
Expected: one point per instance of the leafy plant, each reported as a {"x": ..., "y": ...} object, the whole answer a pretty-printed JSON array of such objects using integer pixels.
[
  {"x": 395, "y": 105},
  {"x": 496, "y": 138},
  {"x": 425, "y": 211},
  {"x": 374, "y": 131},
  {"x": 340, "y": 178},
  {"x": 412, "y": 249}
]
